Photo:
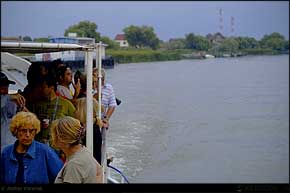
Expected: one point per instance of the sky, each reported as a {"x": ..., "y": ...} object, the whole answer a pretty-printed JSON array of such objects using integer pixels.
[{"x": 170, "y": 19}]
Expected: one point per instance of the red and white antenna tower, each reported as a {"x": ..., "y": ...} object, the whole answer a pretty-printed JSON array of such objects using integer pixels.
[
  {"x": 221, "y": 26},
  {"x": 232, "y": 25}
]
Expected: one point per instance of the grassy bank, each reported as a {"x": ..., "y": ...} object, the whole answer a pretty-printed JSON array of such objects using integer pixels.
[
  {"x": 134, "y": 56},
  {"x": 146, "y": 55},
  {"x": 260, "y": 51}
]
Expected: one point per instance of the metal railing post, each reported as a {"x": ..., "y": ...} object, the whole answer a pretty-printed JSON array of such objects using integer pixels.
[
  {"x": 89, "y": 102},
  {"x": 103, "y": 130}
]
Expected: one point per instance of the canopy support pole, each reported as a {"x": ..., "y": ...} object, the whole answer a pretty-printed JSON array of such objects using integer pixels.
[
  {"x": 89, "y": 102},
  {"x": 103, "y": 130}
]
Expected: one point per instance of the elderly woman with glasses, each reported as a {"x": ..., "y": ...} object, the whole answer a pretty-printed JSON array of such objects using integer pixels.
[{"x": 28, "y": 161}]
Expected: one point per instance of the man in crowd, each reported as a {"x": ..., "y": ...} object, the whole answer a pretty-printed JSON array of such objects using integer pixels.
[
  {"x": 9, "y": 106},
  {"x": 107, "y": 96},
  {"x": 50, "y": 107}
]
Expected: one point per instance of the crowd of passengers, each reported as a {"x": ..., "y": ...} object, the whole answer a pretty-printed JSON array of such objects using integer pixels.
[{"x": 43, "y": 127}]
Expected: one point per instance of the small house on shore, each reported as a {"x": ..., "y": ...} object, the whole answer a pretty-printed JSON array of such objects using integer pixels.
[
  {"x": 121, "y": 39},
  {"x": 215, "y": 38}
]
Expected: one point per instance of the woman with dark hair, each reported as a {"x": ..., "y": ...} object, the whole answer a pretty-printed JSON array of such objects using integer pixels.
[
  {"x": 34, "y": 74},
  {"x": 80, "y": 114},
  {"x": 65, "y": 81}
]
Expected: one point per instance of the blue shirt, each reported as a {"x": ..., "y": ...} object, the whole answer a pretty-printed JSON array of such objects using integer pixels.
[
  {"x": 8, "y": 110},
  {"x": 41, "y": 164}
]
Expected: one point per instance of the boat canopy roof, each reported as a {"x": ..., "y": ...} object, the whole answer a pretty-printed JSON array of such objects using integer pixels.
[{"x": 36, "y": 47}]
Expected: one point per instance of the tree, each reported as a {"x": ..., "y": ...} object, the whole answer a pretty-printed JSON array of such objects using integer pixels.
[
  {"x": 111, "y": 43},
  {"x": 190, "y": 41},
  {"x": 41, "y": 40},
  {"x": 143, "y": 36},
  {"x": 150, "y": 38},
  {"x": 133, "y": 35},
  {"x": 247, "y": 42},
  {"x": 84, "y": 29},
  {"x": 275, "y": 41},
  {"x": 27, "y": 38},
  {"x": 286, "y": 45},
  {"x": 229, "y": 45},
  {"x": 202, "y": 43},
  {"x": 197, "y": 42},
  {"x": 178, "y": 43}
]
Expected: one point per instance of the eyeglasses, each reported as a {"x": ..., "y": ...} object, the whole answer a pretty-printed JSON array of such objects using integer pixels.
[{"x": 24, "y": 131}]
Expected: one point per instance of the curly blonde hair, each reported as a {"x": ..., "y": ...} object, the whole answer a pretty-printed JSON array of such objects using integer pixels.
[
  {"x": 67, "y": 130},
  {"x": 23, "y": 119}
]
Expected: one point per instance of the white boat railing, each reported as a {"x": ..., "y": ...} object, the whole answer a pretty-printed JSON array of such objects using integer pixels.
[{"x": 89, "y": 123}]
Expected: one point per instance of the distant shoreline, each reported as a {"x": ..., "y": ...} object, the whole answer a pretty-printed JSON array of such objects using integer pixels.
[{"x": 140, "y": 56}]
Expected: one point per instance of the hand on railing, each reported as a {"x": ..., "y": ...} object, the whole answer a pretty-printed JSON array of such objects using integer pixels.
[{"x": 105, "y": 122}]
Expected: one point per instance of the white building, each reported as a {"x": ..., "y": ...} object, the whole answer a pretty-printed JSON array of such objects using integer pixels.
[{"x": 120, "y": 38}]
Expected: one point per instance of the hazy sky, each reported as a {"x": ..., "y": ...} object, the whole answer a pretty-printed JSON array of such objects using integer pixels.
[{"x": 172, "y": 19}]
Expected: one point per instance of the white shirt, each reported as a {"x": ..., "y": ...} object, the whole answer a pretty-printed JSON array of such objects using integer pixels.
[
  {"x": 65, "y": 92},
  {"x": 108, "y": 96}
]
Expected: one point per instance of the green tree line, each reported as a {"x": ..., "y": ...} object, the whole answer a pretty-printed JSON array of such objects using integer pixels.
[{"x": 144, "y": 37}]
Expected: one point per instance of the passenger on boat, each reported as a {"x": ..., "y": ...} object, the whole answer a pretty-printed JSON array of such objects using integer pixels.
[
  {"x": 34, "y": 74},
  {"x": 64, "y": 80},
  {"x": 10, "y": 104},
  {"x": 108, "y": 96},
  {"x": 51, "y": 107},
  {"x": 28, "y": 161},
  {"x": 80, "y": 114},
  {"x": 81, "y": 166},
  {"x": 55, "y": 64}
]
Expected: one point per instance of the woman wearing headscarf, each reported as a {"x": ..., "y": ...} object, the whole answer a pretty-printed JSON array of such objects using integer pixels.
[{"x": 80, "y": 166}]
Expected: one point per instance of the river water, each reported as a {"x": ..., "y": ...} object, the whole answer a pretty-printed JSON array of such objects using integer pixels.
[{"x": 223, "y": 120}]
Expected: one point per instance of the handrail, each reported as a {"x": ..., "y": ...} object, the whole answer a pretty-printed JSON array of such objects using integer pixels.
[{"x": 117, "y": 170}]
